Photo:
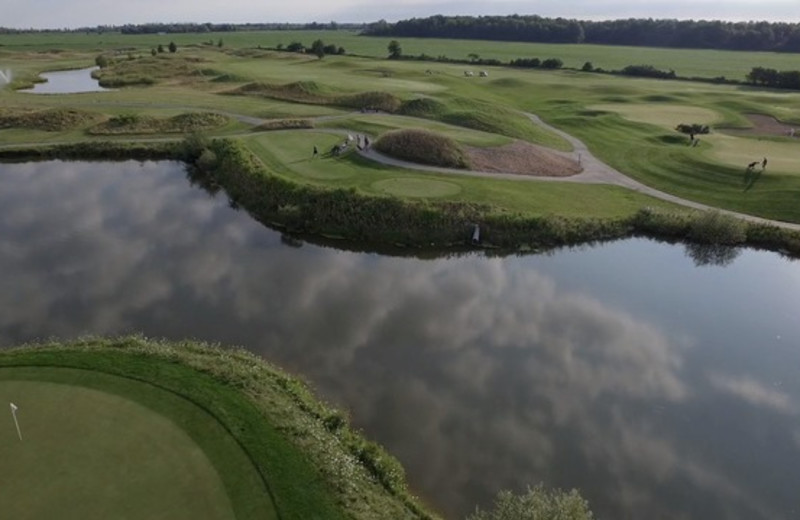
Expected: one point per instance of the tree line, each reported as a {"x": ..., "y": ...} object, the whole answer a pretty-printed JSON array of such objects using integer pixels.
[
  {"x": 174, "y": 28},
  {"x": 701, "y": 34},
  {"x": 789, "y": 79}
]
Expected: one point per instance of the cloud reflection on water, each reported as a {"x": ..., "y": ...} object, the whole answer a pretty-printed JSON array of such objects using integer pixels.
[{"x": 478, "y": 373}]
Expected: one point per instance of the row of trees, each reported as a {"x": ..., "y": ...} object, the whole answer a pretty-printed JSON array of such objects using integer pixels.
[
  {"x": 318, "y": 48},
  {"x": 789, "y": 79},
  {"x": 761, "y": 36}
]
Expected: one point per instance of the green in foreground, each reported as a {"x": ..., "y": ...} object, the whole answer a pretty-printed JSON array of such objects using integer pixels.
[{"x": 133, "y": 428}]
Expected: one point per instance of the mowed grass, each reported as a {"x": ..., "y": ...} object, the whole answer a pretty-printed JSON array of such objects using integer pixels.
[
  {"x": 289, "y": 154},
  {"x": 90, "y": 451},
  {"x": 738, "y": 151}
]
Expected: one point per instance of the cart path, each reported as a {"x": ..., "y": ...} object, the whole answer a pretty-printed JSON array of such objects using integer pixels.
[{"x": 594, "y": 171}]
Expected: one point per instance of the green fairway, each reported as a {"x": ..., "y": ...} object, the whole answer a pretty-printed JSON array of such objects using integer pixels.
[
  {"x": 667, "y": 116},
  {"x": 90, "y": 451},
  {"x": 416, "y": 187}
]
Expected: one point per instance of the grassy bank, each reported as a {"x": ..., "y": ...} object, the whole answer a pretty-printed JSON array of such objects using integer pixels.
[
  {"x": 351, "y": 215},
  {"x": 297, "y": 452}
]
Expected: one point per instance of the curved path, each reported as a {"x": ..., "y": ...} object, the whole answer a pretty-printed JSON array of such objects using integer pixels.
[{"x": 594, "y": 171}]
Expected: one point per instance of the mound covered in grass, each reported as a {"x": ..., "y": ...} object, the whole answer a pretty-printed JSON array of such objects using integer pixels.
[
  {"x": 286, "y": 124},
  {"x": 311, "y": 92},
  {"x": 423, "y": 146},
  {"x": 51, "y": 120},
  {"x": 147, "y": 70},
  {"x": 423, "y": 107},
  {"x": 138, "y": 124}
]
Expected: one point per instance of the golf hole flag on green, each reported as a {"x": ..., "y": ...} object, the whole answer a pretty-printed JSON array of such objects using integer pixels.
[{"x": 14, "y": 415}]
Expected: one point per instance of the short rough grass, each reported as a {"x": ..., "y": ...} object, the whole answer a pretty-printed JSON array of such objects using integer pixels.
[{"x": 91, "y": 453}]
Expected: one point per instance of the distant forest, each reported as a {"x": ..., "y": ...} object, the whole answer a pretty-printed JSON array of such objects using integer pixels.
[
  {"x": 702, "y": 34},
  {"x": 175, "y": 28}
]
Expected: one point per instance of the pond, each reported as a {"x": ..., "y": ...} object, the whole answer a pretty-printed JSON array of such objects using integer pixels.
[
  {"x": 659, "y": 387},
  {"x": 67, "y": 82}
]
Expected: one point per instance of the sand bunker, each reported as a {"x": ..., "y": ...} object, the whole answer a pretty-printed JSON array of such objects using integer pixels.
[{"x": 522, "y": 158}]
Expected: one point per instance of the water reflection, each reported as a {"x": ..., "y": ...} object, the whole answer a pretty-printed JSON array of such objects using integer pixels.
[
  {"x": 712, "y": 254},
  {"x": 479, "y": 373},
  {"x": 67, "y": 82}
]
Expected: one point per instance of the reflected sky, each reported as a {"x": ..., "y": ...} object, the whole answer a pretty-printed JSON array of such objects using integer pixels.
[
  {"x": 660, "y": 388},
  {"x": 67, "y": 82}
]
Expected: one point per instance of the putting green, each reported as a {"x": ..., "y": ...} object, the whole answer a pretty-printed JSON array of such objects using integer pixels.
[
  {"x": 738, "y": 151},
  {"x": 408, "y": 187},
  {"x": 663, "y": 115},
  {"x": 88, "y": 453}
]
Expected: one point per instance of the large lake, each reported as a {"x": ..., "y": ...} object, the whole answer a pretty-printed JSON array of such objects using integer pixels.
[{"x": 660, "y": 388}]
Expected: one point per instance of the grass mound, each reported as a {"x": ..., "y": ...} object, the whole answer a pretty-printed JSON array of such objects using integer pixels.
[
  {"x": 147, "y": 70},
  {"x": 286, "y": 124},
  {"x": 423, "y": 146},
  {"x": 311, "y": 92},
  {"x": 508, "y": 83},
  {"x": 422, "y": 107},
  {"x": 374, "y": 100},
  {"x": 51, "y": 120},
  {"x": 138, "y": 124}
]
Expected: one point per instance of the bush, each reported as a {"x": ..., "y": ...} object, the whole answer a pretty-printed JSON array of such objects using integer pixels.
[
  {"x": 647, "y": 71},
  {"x": 713, "y": 227},
  {"x": 537, "y": 503},
  {"x": 552, "y": 63},
  {"x": 423, "y": 146},
  {"x": 692, "y": 128}
]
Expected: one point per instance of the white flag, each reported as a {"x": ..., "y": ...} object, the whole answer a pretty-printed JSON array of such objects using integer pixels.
[{"x": 13, "y": 407}]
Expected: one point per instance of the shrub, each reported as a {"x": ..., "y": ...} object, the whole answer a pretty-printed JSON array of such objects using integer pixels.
[
  {"x": 647, "y": 71},
  {"x": 713, "y": 227},
  {"x": 537, "y": 503},
  {"x": 692, "y": 128},
  {"x": 423, "y": 146},
  {"x": 552, "y": 63}
]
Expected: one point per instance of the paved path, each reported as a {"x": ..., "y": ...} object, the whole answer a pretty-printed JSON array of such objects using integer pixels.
[{"x": 594, "y": 171}]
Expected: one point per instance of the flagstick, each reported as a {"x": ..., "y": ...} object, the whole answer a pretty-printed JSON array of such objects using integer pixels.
[{"x": 16, "y": 423}]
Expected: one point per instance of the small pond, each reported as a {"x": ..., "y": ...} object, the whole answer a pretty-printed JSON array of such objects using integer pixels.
[
  {"x": 662, "y": 382},
  {"x": 67, "y": 82}
]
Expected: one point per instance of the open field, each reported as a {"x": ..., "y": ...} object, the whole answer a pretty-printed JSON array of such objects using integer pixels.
[{"x": 686, "y": 62}]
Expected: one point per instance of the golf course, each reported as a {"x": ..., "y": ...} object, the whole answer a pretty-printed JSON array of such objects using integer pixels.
[
  {"x": 277, "y": 106},
  {"x": 414, "y": 152}
]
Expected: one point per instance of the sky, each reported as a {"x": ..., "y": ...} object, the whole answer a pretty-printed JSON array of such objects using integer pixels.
[{"x": 56, "y": 14}]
